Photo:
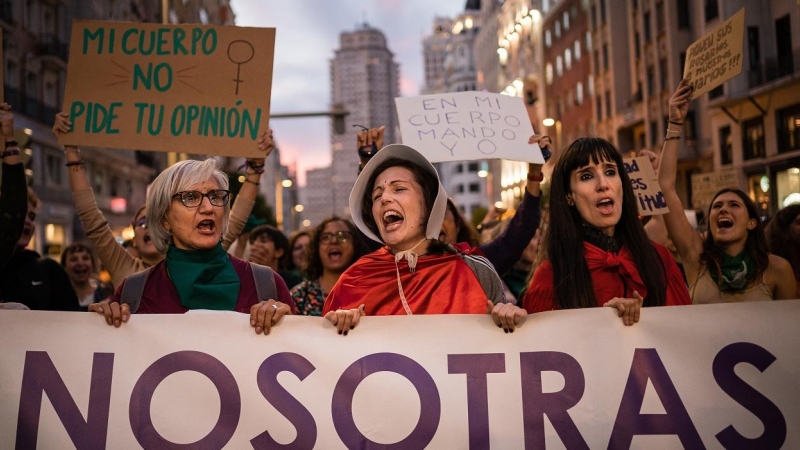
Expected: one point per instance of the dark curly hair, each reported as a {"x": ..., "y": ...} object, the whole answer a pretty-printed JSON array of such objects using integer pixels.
[
  {"x": 314, "y": 269},
  {"x": 779, "y": 239}
]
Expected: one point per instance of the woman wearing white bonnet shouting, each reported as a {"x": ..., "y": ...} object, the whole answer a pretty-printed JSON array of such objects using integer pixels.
[{"x": 399, "y": 201}]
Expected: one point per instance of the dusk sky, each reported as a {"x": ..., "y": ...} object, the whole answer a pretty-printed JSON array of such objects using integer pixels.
[{"x": 307, "y": 36}]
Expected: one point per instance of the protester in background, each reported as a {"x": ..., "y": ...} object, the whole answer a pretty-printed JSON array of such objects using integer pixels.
[
  {"x": 398, "y": 200},
  {"x": 299, "y": 244},
  {"x": 335, "y": 247},
  {"x": 783, "y": 237},
  {"x": 240, "y": 246},
  {"x": 38, "y": 283},
  {"x": 187, "y": 217},
  {"x": 597, "y": 251},
  {"x": 13, "y": 201},
  {"x": 116, "y": 260},
  {"x": 270, "y": 247},
  {"x": 80, "y": 263},
  {"x": 732, "y": 263}
]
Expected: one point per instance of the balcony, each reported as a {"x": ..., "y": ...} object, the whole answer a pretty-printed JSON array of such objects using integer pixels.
[
  {"x": 770, "y": 69},
  {"x": 30, "y": 106},
  {"x": 51, "y": 45}
]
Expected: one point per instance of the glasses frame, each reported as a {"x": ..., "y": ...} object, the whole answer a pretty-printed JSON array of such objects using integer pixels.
[
  {"x": 327, "y": 238},
  {"x": 227, "y": 197}
]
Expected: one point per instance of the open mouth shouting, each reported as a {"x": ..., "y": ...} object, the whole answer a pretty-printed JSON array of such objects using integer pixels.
[
  {"x": 724, "y": 222},
  {"x": 392, "y": 220},
  {"x": 605, "y": 206},
  {"x": 207, "y": 226}
]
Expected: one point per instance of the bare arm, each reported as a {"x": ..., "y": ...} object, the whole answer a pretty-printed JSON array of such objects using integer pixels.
[
  {"x": 785, "y": 283},
  {"x": 687, "y": 241}
]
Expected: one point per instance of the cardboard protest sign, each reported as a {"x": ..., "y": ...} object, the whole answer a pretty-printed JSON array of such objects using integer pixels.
[
  {"x": 467, "y": 126},
  {"x": 716, "y": 57},
  {"x": 645, "y": 186},
  {"x": 187, "y": 88},
  {"x": 679, "y": 378},
  {"x": 705, "y": 185}
]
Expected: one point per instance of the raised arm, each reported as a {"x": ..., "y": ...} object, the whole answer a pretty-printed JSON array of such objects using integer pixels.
[
  {"x": 687, "y": 241},
  {"x": 244, "y": 202},
  {"x": 115, "y": 258}
]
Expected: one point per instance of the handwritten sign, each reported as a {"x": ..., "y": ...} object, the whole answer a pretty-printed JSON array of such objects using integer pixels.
[
  {"x": 467, "y": 126},
  {"x": 645, "y": 186},
  {"x": 716, "y": 57},
  {"x": 705, "y": 185},
  {"x": 189, "y": 88},
  {"x": 208, "y": 381}
]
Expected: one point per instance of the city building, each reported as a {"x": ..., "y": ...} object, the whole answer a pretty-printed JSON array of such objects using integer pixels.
[{"x": 364, "y": 81}]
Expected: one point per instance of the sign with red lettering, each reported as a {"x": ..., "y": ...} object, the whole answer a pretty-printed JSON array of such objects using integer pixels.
[
  {"x": 706, "y": 376},
  {"x": 178, "y": 88}
]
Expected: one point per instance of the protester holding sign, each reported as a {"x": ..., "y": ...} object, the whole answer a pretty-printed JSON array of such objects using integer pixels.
[
  {"x": 336, "y": 244},
  {"x": 597, "y": 251},
  {"x": 732, "y": 263},
  {"x": 115, "y": 258},
  {"x": 399, "y": 201},
  {"x": 187, "y": 214}
]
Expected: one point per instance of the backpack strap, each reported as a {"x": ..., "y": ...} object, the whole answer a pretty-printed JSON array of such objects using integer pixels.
[
  {"x": 264, "y": 278},
  {"x": 133, "y": 288}
]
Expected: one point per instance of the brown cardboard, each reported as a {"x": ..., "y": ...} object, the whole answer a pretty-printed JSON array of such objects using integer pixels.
[
  {"x": 716, "y": 57},
  {"x": 705, "y": 185},
  {"x": 649, "y": 197},
  {"x": 212, "y": 82}
]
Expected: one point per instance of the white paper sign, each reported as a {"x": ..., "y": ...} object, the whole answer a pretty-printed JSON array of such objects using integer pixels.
[
  {"x": 467, "y": 126},
  {"x": 708, "y": 376}
]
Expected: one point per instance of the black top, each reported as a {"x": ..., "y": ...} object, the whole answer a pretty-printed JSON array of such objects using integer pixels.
[
  {"x": 36, "y": 282},
  {"x": 13, "y": 208}
]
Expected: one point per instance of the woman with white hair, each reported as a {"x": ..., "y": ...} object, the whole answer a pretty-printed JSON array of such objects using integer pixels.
[
  {"x": 187, "y": 214},
  {"x": 399, "y": 201}
]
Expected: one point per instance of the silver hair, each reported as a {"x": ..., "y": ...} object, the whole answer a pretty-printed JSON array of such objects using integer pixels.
[{"x": 176, "y": 178}]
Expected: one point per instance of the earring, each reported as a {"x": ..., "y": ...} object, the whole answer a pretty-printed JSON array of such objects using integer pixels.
[{"x": 569, "y": 201}]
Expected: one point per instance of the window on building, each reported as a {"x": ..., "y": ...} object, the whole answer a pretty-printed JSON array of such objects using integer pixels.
[
  {"x": 753, "y": 50},
  {"x": 459, "y": 168},
  {"x": 588, "y": 41},
  {"x": 598, "y": 107},
  {"x": 753, "y": 138},
  {"x": 597, "y": 68},
  {"x": 662, "y": 73},
  {"x": 718, "y": 91},
  {"x": 602, "y": 12},
  {"x": 637, "y": 45},
  {"x": 711, "y": 8},
  {"x": 651, "y": 81},
  {"x": 593, "y": 17},
  {"x": 98, "y": 181},
  {"x": 684, "y": 21},
  {"x": 577, "y": 50},
  {"x": 634, "y": 5},
  {"x": 788, "y": 123},
  {"x": 55, "y": 165},
  {"x": 647, "y": 30},
  {"x": 474, "y": 187},
  {"x": 473, "y": 167},
  {"x": 608, "y": 103},
  {"x": 653, "y": 133},
  {"x": 460, "y": 189},
  {"x": 590, "y": 85},
  {"x": 567, "y": 59},
  {"x": 566, "y": 20},
  {"x": 579, "y": 93},
  {"x": 783, "y": 44},
  {"x": 558, "y": 29},
  {"x": 725, "y": 145},
  {"x": 559, "y": 65},
  {"x": 660, "y": 17},
  {"x": 547, "y": 39},
  {"x": 605, "y": 57},
  {"x": 548, "y": 74}
]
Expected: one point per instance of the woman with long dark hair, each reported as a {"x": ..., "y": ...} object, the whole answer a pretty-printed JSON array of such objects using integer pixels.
[
  {"x": 732, "y": 262},
  {"x": 597, "y": 251}
]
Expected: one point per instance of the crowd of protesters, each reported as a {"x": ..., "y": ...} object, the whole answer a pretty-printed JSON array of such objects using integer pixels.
[{"x": 407, "y": 249}]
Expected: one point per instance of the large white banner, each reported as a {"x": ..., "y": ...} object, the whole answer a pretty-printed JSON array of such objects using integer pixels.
[
  {"x": 692, "y": 376},
  {"x": 467, "y": 126}
]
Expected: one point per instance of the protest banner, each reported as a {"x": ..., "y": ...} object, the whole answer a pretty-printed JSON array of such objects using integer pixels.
[
  {"x": 463, "y": 126},
  {"x": 648, "y": 192},
  {"x": 684, "y": 377},
  {"x": 188, "y": 88},
  {"x": 716, "y": 57},
  {"x": 705, "y": 185}
]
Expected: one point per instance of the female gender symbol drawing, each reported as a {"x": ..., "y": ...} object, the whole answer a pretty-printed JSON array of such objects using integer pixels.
[{"x": 240, "y": 52}]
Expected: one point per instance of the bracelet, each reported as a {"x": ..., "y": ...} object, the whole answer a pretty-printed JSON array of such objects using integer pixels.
[
  {"x": 10, "y": 144},
  {"x": 539, "y": 178},
  {"x": 669, "y": 138},
  {"x": 252, "y": 182},
  {"x": 258, "y": 167},
  {"x": 675, "y": 123},
  {"x": 10, "y": 152},
  {"x": 74, "y": 163}
]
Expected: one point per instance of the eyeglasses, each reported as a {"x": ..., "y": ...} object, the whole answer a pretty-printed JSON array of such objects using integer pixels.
[
  {"x": 192, "y": 199},
  {"x": 141, "y": 222},
  {"x": 342, "y": 236}
]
